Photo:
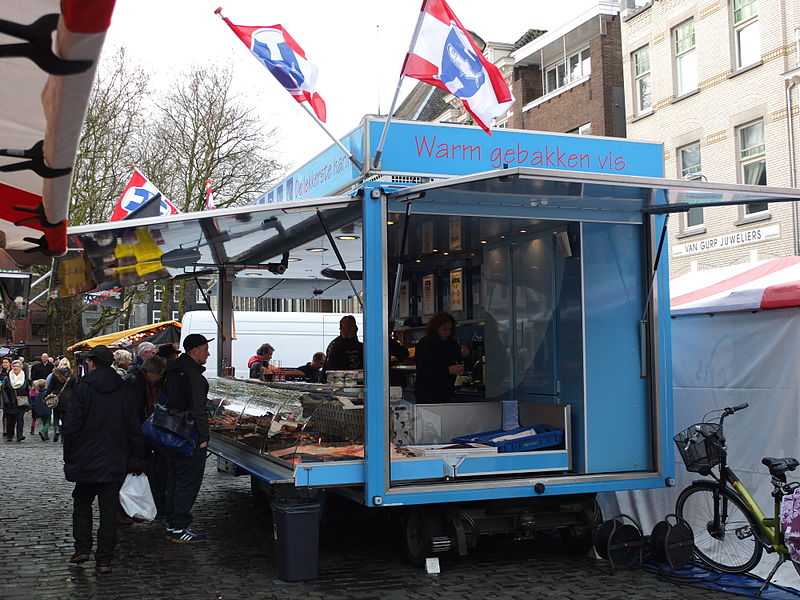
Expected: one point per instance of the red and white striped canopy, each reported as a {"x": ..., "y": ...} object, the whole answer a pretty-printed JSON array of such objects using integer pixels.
[
  {"x": 48, "y": 57},
  {"x": 762, "y": 285}
]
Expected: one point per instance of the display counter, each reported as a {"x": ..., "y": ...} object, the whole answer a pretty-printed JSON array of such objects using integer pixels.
[{"x": 313, "y": 434}]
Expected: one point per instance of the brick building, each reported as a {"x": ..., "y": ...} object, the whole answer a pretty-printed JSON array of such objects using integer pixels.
[{"x": 717, "y": 83}]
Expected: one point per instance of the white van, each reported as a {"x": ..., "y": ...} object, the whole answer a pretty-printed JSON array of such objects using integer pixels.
[{"x": 296, "y": 336}]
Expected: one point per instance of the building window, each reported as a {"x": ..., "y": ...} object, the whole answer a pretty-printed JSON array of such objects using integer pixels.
[
  {"x": 175, "y": 315},
  {"x": 689, "y": 158},
  {"x": 753, "y": 160},
  {"x": 746, "y": 33},
  {"x": 575, "y": 67},
  {"x": 158, "y": 293},
  {"x": 641, "y": 79},
  {"x": 199, "y": 296},
  {"x": 156, "y": 316},
  {"x": 685, "y": 57}
]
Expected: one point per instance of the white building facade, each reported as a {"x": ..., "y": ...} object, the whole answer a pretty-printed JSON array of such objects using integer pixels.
[{"x": 718, "y": 83}]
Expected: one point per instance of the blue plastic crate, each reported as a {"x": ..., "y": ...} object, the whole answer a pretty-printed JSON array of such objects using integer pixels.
[{"x": 546, "y": 437}]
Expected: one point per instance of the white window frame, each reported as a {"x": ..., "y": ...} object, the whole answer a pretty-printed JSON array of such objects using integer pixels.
[
  {"x": 746, "y": 32},
  {"x": 155, "y": 316},
  {"x": 684, "y": 47},
  {"x": 750, "y": 155},
  {"x": 581, "y": 63},
  {"x": 695, "y": 217},
  {"x": 158, "y": 293},
  {"x": 198, "y": 296},
  {"x": 175, "y": 315},
  {"x": 642, "y": 80}
]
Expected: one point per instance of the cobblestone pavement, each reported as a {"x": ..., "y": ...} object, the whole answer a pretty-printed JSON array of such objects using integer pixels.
[{"x": 360, "y": 558}]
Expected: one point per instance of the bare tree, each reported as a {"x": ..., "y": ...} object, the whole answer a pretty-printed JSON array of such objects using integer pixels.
[{"x": 203, "y": 131}]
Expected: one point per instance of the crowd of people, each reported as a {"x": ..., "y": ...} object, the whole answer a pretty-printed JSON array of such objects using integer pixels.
[{"x": 96, "y": 409}]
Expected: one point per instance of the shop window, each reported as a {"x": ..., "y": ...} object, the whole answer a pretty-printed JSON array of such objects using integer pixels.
[
  {"x": 753, "y": 161},
  {"x": 683, "y": 41},
  {"x": 746, "y": 32},
  {"x": 642, "y": 82},
  {"x": 575, "y": 67}
]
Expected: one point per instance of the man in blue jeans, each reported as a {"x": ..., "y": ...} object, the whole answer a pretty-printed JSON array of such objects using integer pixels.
[
  {"x": 102, "y": 442},
  {"x": 187, "y": 389}
]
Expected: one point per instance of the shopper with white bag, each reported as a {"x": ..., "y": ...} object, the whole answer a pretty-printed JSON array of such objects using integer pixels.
[{"x": 101, "y": 441}]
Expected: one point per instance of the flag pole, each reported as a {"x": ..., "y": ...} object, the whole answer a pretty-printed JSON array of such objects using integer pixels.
[
  {"x": 336, "y": 141},
  {"x": 376, "y": 162}
]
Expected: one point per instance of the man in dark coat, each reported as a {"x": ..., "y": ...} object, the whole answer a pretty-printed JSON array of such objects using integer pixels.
[
  {"x": 101, "y": 433},
  {"x": 187, "y": 389},
  {"x": 345, "y": 352},
  {"x": 41, "y": 370}
]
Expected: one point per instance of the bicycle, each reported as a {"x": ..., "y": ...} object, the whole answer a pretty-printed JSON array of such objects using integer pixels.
[{"x": 730, "y": 529}]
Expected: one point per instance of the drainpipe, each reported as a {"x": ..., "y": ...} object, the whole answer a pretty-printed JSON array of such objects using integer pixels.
[{"x": 792, "y": 161}]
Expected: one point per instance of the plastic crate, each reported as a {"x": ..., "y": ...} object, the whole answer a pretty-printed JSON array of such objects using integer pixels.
[{"x": 546, "y": 437}]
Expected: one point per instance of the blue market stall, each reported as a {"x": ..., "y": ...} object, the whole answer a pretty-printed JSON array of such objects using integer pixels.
[{"x": 548, "y": 251}]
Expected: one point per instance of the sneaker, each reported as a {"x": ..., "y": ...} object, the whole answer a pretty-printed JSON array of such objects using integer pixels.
[
  {"x": 43, "y": 436},
  {"x": 79, "y": 557},
  {"x": 56, "y": 436},
  {"x": 184, "y": 536},
  {"x": 103, "y": 567}
]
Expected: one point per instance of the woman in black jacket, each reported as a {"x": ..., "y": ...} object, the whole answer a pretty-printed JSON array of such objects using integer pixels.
[
  {"x": 16, "y": 387},
  {"x": 439, "y": 359},
  {"x": 5, "y": 369}
]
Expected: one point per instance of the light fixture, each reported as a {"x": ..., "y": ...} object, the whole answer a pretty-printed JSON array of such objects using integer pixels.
[
  {"x": 293, "y": 259},
  {"x": 316, "y": 249},
  {"x": 419, "y": 260},
  {"x": 523, "y": 231},
  {"x": 253, "y": 274},
  {"x": 387, "y": 222},
  {"x": 484, "y": 242},
  {"x": 346, "y": 237}
]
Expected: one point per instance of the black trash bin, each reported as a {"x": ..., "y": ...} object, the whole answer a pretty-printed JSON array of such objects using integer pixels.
[{"x": 296, "y": 530}]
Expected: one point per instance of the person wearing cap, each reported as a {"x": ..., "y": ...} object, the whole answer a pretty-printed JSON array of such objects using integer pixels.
[
  {"x": 168, "y": 352},
  {"x": 187, "y": 389},
  {"x": 101, "y": 439}
]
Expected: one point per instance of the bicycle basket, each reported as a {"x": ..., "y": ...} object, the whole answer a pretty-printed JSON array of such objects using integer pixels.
[{"x": 700, "y": 446}]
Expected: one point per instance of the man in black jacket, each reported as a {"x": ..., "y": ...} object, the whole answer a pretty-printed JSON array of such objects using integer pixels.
[
  {"x": 187, "y": 389},
  {"x": 101, "y": 435}
]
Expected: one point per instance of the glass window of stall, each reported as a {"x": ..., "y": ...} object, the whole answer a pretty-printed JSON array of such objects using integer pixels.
[{"x": 514, "y": 359}]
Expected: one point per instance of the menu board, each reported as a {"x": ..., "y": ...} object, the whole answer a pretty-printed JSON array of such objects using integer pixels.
[
  {"x": 428, "y": 295},
  {"x": 457, "y": 290}
]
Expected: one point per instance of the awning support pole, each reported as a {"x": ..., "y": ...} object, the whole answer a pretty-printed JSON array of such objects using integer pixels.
[{"x": 339, "y": 256}]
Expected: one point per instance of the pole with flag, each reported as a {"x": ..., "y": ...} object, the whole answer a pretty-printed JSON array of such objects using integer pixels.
[
  {"x": 138, "y": 192},
  {"x": 209, "y": 196},
  {"x": 285, "y": 59},
  {"x": 443, "y": 54}
]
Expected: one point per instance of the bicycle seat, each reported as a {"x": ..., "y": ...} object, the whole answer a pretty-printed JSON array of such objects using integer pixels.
[{"x": 779, "y": 466}]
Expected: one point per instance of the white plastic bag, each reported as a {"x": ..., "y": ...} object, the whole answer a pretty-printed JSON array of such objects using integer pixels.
[{"x": 136, "y": 498}]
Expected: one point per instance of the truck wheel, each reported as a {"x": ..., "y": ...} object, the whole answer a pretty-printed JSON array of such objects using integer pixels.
[{"x": 418, "y": 529}]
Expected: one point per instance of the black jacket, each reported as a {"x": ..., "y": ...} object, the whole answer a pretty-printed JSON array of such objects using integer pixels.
[
  {"x": 100, "y": 430},
  {"x": 433, "y": 357},
  {"x": 64, "y": 390},
  {"x": 187, "y": 389},
  {"x": 344, "y": 354},
  {"x": 10, "y": 394},
  {"x": 41, "y": 370}
]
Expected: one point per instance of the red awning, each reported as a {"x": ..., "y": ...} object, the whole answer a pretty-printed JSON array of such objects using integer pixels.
[
  {"x": 48, "y": 57},
  {"x": 751, "y": 286}
]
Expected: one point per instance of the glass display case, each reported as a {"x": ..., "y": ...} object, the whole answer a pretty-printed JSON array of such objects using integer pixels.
[{"x": 288, "y": 422}]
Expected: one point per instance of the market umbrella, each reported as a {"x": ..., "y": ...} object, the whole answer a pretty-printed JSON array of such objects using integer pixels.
[
  {"x": 48, "y": 57},
  {"x": 158, "y": 333}
]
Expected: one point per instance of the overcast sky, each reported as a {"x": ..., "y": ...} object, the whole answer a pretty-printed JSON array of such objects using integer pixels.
[{"x": 358, "y": 46}]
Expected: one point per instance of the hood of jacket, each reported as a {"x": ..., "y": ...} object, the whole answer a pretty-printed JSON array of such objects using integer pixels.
[
  {"x": 254, "y": 359},
  {"x": 103, "y": 379},
  {"x": 184, "y": 361}
]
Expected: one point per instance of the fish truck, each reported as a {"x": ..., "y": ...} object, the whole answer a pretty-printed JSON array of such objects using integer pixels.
[{"x": 546, "y": 252}]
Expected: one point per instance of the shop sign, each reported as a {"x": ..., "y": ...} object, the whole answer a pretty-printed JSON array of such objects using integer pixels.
[{"x": 729, "y": 240}]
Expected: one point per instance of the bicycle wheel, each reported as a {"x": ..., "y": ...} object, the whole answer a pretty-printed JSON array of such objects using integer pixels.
[{"x": 734, "y": 547}]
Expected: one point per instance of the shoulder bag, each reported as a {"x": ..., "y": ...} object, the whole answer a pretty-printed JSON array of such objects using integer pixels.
[
  {"x": 51, "y": 400},
  {"x": 172, "y": 430}
]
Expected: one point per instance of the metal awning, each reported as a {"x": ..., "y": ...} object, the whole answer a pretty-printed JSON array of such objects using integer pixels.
[
  {"x": 553, "y": 193},
  {"x": 279, "y": 246}
]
